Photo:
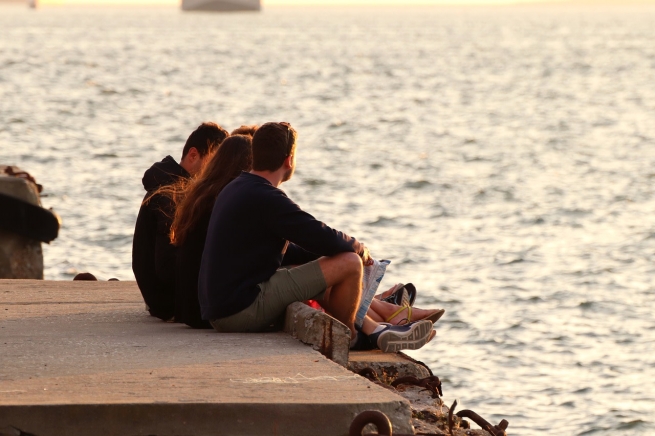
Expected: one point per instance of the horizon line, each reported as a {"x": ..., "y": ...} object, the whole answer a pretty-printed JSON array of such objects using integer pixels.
[{"x": 355, "y": 3}]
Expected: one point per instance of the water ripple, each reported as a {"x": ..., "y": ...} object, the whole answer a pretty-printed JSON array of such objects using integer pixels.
[{"x": 502, "y": 160}]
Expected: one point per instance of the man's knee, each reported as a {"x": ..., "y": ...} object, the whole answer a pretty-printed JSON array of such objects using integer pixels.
[
  {"x": 338, "y": 267},
  {"x": 351, "y": 262}
]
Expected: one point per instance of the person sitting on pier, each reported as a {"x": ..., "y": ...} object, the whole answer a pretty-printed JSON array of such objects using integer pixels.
[
  {"x": 153, "y": 256},
  {"x": 193, "y": 202},
  {"x": 257, "y": 236}
]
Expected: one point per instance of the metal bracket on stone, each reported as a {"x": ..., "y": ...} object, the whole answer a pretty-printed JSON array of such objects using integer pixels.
[
  {"x": 325, "y": 334},
  {"x": 494, "y": 430}
]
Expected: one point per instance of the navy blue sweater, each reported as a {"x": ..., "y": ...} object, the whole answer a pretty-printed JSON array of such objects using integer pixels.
[{"x": 254, "y": 229}]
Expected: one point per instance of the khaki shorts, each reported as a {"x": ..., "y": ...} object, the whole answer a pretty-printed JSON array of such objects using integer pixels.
[{"x": 266, "y": 313}]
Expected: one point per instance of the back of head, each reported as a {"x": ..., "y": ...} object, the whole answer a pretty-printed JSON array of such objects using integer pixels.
[
  {"x": 233, "y": 156},
  {"x": 271, "y": 145},
  {"x": 205, "y": 138},
  {"x": 245, "y": 130}
]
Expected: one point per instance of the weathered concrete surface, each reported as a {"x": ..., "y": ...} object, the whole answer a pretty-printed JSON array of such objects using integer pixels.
[
  {"x": 18, "y": 187},
  {"x": 81, "y": 358},
  {"x": 318, "y": 329},
  {"x": 388, "y": 366},
  {"x": 20, "y": 257}
]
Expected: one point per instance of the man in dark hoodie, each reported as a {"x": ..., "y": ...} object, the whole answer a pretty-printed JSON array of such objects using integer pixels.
[{"x": 153, "y": 256}]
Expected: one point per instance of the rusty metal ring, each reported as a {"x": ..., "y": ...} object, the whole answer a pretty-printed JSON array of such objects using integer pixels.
[{"x": 374, "y": 417}]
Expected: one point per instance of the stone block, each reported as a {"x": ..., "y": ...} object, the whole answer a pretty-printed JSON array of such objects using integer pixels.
[
  {"x": 19, "y": 188},
  {"x": 20, "y": 257},
  {"x": 388, "y": 366},
  {"x": 325, "y": 334}
]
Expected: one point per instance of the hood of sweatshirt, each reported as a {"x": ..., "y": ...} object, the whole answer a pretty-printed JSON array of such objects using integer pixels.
[{"x": 163, "y": 173}]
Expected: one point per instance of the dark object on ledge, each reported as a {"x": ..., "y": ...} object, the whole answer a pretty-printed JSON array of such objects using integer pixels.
[
  {"x": 28, "y": 220},
  {"x": 22, "y": 213},
  {"x": 90, "y": 277},
  {"x": 86, "y": 277}
]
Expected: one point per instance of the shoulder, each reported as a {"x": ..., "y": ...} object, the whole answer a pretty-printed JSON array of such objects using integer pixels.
[
  {"x": 254, "y": 193},
  {"x": 254, "y": 186}
]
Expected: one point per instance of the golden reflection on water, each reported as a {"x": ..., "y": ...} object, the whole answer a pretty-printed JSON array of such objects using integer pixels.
[{"x": 503, "y": 161}]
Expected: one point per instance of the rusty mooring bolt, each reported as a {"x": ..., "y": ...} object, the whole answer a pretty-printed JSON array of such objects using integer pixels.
[{"x": 494, "y": 430}]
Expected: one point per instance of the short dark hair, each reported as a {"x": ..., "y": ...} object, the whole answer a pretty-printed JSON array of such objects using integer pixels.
[
  {"x": 245, "y": 130},
  {"x": 271, "y": 144},
  {"x": 205, "y": 138}
]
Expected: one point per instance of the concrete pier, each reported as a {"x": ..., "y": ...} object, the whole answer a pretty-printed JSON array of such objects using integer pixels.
[{"x": 80, "y": 358}]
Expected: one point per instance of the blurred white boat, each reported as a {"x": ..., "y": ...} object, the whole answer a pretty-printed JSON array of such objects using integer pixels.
[
  {"x": 29, "y": 2},
  {"x": 221, "y": 5}
]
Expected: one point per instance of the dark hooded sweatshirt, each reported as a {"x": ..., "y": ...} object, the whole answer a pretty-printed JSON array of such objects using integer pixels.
[{"x": 153, "y": 256}]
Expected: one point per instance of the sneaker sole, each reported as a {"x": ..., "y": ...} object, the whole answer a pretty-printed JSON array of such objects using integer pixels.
[
  {"x": 436, "y": 316},
  {"x": 418, "y": 335}
]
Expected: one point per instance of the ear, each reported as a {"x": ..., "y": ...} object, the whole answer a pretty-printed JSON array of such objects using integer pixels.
[
  {"x": 193, "y": 154},
  {"x": 288, "y": 162}
]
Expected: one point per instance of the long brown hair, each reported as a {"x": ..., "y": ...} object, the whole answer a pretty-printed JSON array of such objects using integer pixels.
[{"x": 195, "y": 199}]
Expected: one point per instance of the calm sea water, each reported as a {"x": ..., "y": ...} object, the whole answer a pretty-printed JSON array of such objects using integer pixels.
[{"x": 503, "y": 159}]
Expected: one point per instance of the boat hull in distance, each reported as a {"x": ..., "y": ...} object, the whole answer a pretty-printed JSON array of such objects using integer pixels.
[{"x": 221, "y": 5}]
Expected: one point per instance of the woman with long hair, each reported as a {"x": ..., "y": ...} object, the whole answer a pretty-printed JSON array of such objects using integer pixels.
[{"x": 194, "y": 202}]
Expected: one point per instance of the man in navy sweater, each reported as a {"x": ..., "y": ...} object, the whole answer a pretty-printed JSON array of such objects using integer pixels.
[{"x": 263, "y": 253}]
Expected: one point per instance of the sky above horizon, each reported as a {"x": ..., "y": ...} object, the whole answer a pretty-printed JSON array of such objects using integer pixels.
[{"x": 309, "y": 2}]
